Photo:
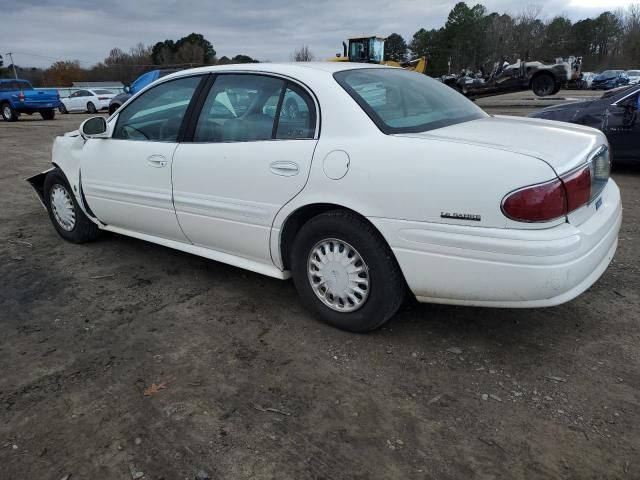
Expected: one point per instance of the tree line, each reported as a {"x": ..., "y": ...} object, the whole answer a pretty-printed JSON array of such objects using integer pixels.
[
  {"x": 193, "y": 50},
  {"x": 473, "y": 38}
]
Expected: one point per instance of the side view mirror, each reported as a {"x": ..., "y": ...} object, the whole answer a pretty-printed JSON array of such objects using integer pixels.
[
  {"x": 126, "y": 89},
  {"x": 94, "y": 127}
]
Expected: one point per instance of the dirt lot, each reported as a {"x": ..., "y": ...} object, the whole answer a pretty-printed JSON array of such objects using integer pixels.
[{"x": 439, "y": 393}]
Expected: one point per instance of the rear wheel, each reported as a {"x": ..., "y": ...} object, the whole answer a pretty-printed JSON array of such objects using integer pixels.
[
  {"x": 91, "y": 108},
  {"x": 543, "y": 85},
  {"x": 113, "y": 107},
  {"x": 48, "y": 114},
  {"x": 62, "y": 108},
  {"x": 68, "y": 219},
  {"x": 345, "y": 273},
  {"x": 8, "y": 113}
]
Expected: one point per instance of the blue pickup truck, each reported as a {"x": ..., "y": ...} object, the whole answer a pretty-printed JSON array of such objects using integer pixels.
[
  {"x": 18, "y": 96},
  {"x": 138, "y": 84}
]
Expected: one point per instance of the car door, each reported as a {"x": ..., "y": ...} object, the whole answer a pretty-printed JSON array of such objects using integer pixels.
[
  {"x": 73, "y": 101},
  {"x": 126, "y": 178},
  {"x": 622, "y": 127},
  {"x": 249, "y": 156}
]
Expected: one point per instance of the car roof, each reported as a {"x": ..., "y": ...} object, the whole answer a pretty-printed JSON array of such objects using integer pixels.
[{"x": 290, "y": 68}]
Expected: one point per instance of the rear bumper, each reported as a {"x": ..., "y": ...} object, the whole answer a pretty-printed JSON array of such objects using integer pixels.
[
  {"x": 505, "y": 267},
  {"x": 36, "y": 107}
]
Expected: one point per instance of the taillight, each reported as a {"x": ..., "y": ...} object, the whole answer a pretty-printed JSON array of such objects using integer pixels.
[
  {"x": 537, "y": 203},
  {"x": 557, "y": 198},
  {"x": 21, "y": 96}
]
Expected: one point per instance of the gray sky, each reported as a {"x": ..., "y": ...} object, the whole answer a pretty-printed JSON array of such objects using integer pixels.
[{"x": 263, "y": 29}]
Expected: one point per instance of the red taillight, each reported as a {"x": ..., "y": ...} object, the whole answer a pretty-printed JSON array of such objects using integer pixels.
[
  {"x": 578, "y": 188},
  {"x": 21, "y": 96},
  {"x": 557, "y": 198},
  {"x": 537, "y": 203}
]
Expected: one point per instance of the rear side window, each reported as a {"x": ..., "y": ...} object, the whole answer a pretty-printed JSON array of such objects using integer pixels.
[
  {"x": 297, "y": 115},
  {"x": 157, "y": 114},
  {"x": 399, "y": 101}
]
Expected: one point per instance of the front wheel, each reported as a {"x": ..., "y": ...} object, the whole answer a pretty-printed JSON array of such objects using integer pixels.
[
  {"x": 345, "y": 273},
  {"x": 48, "y": 114},
  {"x": 68, "y": 219},
  {"x": 91, "y": 108}
]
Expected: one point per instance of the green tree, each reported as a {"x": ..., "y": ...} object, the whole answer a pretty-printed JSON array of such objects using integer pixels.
[
  {"x": 395, "y": 48},
  {"x": 557, "y": 38}
]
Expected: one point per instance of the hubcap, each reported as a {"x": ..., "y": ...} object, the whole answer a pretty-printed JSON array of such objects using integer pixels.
[
  {"x": 338, "y": 275},
  {"x": 7, "y": 112},
  {"x": 62, "y": 207}
]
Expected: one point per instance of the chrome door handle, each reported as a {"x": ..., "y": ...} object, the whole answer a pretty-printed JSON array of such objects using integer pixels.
[
  {"x": 157, "y": 161},
  {"x": 284, "y": 169}
]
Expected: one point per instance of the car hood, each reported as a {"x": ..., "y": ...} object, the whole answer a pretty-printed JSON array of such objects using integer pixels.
[{"x": 563, "y": 146}]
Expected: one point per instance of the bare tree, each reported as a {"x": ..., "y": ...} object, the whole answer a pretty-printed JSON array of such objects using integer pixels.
[{"x": 303, "y": 54}]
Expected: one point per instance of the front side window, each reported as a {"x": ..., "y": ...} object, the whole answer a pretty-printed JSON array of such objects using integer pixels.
[
  {"x": 399, "y": 101},
  {"x": 157, "y": 114}
]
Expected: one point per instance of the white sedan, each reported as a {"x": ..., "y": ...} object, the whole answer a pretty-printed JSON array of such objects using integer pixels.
[
  {"x": 383, "y": 180},
  {"x": 86, "y": 101}
]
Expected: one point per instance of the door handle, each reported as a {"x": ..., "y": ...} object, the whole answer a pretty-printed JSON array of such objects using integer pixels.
[
  {"x": 284, "y": 169},
  {"x": 157, "y": 161}
]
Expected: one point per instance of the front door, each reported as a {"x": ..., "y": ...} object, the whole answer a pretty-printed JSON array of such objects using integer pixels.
[
  {"x": 251, "y": 153},
  {"x": 126, "y": 179}
]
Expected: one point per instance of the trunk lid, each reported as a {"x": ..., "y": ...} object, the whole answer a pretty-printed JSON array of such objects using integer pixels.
[
  {"x": 42, "y": 98},
  {"x": 563, "y": 146}
]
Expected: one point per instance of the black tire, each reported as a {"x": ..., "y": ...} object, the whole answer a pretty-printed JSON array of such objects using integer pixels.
[
  {"x": 62, "y": 109},
  {"x": 386, "y": 285},
  {"x": 91, "y": 108},
  {"x": 83, "y": 230},
  {"x": 112, "y": 108},
  {"x": 556, "y": 89},
  {"x": 48, "y": 114},
  {"x": 543, "y": 85},
  {"x": 8, "y": 112}
]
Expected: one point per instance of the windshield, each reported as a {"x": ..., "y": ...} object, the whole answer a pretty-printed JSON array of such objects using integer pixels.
[
  {"x": 634, "y": 73},
  {"x": 102, "y": 92},
  {"x": 610, "y": 73},
  {"x": 399, "y": 101},
  {"x": 15, "y": 85}
]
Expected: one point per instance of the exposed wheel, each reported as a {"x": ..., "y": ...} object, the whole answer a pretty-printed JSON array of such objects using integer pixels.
[
  {"x": 67, "y": 217},
  {"x": 62, "y": 108},
  {"x": 112, "y": 108},
  {"x": 292, "y": 109},
  {"x": 48, "y": 114},
  {"x": 91, "y": 108},
  {"x": 8, "y": 113},
  {"x": 345, "y": 273},
  {"x": 556, "y": 89},
  {"x": 543, "y": 85}
]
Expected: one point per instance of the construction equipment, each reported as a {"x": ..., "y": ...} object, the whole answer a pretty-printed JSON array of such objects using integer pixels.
[{"x": 371, "y": 50}]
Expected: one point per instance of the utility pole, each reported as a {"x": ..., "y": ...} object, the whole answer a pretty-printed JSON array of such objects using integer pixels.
[{"x": 15, "y": 74}]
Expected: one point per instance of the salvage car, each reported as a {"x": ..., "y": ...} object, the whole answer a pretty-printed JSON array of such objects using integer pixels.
[
  {"x": 609, "y": 79},
  {"x": 384, "y": 180},
  {"x": 542, "y": 79},
  {"x": 615, "y": 114}
]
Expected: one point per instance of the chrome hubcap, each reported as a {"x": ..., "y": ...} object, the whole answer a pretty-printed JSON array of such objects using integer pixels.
[
  {"x": 62, "y": 207},
  {"x": 7, "y": 112},
  {"x": 338, "y": 275}
]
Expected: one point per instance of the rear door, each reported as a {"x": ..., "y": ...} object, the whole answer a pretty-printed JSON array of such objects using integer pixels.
[
  {"x": 622, "y": 127},
  {"x": 249, "y": 155}
]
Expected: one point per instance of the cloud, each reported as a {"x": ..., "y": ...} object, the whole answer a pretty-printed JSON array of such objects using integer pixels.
[{"x": 263, "y": 29}]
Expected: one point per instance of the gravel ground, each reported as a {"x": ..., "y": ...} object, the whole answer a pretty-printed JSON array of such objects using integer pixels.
[{"x": 121, "y": 359}]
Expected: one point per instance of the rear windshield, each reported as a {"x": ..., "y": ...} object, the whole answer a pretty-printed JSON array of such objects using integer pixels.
[
  {"x": 102, "y": 92},
  {"x": 399, "y": 101},
  {"x": 634, "y": 73},
  {"x": 15, "y": 85}
]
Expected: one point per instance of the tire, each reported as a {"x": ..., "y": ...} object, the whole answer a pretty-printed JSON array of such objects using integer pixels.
[
  {"x": 543, "y": 85},
  {"x": 556, "y": 89},
  {"x": 348, "y": 236},
  {"x": 62, "y": 109},
  {"x": 113, "y": 108},
  {"x": 68, "y": 219},
  {"x": 8, "y": 112},
  {"x": 48, "y": 114},
  {"x": 91, "y": 108}
]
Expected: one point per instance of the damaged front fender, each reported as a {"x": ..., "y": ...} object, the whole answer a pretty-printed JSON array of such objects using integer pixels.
[{"x": 37, "y": 182}]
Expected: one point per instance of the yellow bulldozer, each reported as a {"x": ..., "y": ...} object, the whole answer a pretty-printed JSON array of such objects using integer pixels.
[{"x": 371, "y": 50}]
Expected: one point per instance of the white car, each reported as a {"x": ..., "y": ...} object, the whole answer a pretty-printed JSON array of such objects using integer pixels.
[
  {"x": 383, "y": 180},
  {"x": 86, "y": 101},
  {"x": 634, "y": 76}
]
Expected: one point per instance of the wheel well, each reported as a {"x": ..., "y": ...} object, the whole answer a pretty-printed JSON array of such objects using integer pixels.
[
  {"x": 542, "y": 72},
  {"x": 297, "y": 219}
]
